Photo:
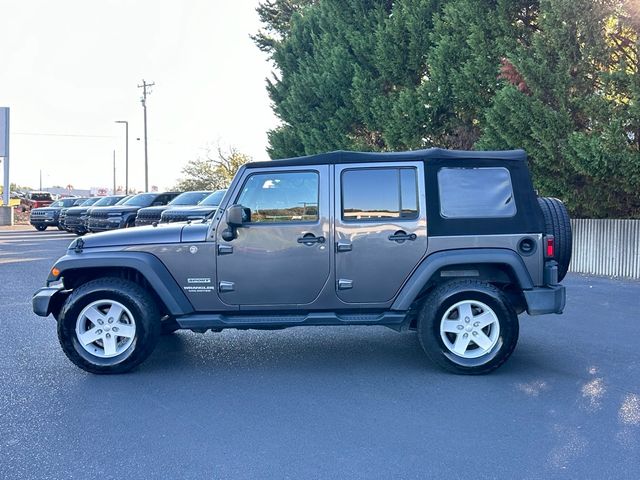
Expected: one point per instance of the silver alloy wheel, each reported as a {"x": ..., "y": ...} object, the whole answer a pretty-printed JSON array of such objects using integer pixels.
[
  {"x": 469, "y": 329},
  {"x": 105, "y": 328}
]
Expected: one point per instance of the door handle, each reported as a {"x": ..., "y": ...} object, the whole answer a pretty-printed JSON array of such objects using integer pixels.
[
  {"x": 401, "y": 236},
  {"x": 310, "y": 239},
  {"x": 224, "y": 249},
  {"x": 343, "y": 247}
]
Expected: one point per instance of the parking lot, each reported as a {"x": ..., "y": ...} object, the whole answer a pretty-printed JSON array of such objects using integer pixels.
[{"x": 329, "y": 402}]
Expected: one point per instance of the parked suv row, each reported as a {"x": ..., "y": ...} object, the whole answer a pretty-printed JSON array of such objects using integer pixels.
[
  {"x": 123, "y": 215},
  {"x": 49, "y": 216},
  {"x": 149, "y": 215},
  {"x": 96, "y": 214},
  {"x": 203, "y": 209},
  {"x": 77, "y": 218}
]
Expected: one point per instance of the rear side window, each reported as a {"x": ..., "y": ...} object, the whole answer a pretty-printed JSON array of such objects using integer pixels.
[
  {"x": 476, "y": 193},
  {"x": 376, "y": 194}
]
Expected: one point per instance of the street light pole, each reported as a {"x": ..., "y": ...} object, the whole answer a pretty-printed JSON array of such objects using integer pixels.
[
  {"x": 114, "y": 172},
  {"x": 146, "y": 90},
  {"x": 126, "y": 162}
]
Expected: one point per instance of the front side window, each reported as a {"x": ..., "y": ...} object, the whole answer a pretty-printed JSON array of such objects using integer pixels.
[
  {"x": 379, "y": 194},
  {"x": 476, "y": 193},
  {"x": 281, "y": 197}
]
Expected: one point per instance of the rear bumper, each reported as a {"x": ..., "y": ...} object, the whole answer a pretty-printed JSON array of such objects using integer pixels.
[
  {"x": 543, "y": 300},
  {"x": 47, "y": 299}
]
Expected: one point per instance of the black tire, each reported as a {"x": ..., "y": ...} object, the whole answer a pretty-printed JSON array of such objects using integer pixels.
[
  {"x": 557, "y": 223},
  {"x": 139, "y": 302},
  {"x": 432, "y": 313},
  {"x": 60, "y": 228},
  {"x": 41, "y": 228}
]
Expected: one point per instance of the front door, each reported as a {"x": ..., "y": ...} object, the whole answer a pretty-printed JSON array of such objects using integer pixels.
[
  {"x": 281, "y": 255},
  {"x": 380, "y": 229}
]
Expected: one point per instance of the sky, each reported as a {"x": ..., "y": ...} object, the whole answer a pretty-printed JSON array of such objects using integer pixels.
[{"x": 70, "y": 68}]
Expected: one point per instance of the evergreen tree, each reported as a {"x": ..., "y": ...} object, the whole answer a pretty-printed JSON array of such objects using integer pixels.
[{"x": 577, "y": 115}]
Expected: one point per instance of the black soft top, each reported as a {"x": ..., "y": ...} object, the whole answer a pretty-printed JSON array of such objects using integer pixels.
[{"x": 344, "y": 156}]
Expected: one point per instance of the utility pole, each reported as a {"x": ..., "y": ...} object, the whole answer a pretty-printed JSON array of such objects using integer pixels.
[
  {"x": 146, "y": 90},
  {"x": 114, "y": 172},
  {"x": 4, "y": 152},
  {"x": 40, "y": 189},
  {"x": 126, "y": 162}
]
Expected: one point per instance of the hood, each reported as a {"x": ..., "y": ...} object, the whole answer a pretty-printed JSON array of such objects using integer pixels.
[
  {"x": 192, "y": 210},
  {"x": 150, "y": 235},
  {"x": 46, "y": 209},
  {"x": 150, "y": 210},
  {"x": 120, "y": 209},
  {"x": 72, "y": 210}
]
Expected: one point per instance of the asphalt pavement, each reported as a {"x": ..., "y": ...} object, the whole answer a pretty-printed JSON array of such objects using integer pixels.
[{"x": 320, "y": 402}]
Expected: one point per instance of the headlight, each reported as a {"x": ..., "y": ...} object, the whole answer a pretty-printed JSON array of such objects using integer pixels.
[{"x": 114, "y": 214}]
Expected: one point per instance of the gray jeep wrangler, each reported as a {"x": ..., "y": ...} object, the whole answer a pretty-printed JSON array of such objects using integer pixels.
[{"x": 452, "y": 244}]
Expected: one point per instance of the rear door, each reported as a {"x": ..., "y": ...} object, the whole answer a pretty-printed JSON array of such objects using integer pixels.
[{"x": 380, "y": 225}]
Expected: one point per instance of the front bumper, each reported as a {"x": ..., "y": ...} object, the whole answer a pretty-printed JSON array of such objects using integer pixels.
[
  {"x": 103, "y": 224},
  {"x": 75, "y": 224},
  {"x": 543, "y": 300},
  {"x": 47, "y": 300},
  {"x": 146, "y": 221},
  {"x": 49, "y": 222}
]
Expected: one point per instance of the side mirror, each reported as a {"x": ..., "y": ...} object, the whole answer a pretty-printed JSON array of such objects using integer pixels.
[{"x": 235, "y": 216}]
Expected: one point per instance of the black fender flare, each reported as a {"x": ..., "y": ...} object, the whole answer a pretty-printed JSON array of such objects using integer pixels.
[
  {"x": 148, "y": 265},
  {"x": 434, "y": 262}
]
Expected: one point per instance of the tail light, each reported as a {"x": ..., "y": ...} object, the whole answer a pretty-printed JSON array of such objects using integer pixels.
[{"x": 549, "y": 246}]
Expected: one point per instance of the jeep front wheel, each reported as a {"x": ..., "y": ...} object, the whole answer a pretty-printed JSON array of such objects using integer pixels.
[
  {"x": 108, "y": 325},
  {"x": 468, "y": 327}
]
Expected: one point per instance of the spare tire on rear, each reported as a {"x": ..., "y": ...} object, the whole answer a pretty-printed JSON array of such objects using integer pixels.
[{"x": 556, "y": 220}]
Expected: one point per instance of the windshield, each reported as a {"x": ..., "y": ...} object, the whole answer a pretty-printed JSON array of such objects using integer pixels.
[
  {"x": 108, "y": 201},
  {"x": 79, "y": 201},
  {"x": 41, "y": 196},
  {"x": 189, "y": 198},
  {"x": 141, "y": 200},
  {"x": 64, "y": 203},
  {"x": 214, "y": 199},
  {"x": 123, "y": 200},
  {"x": 89, "y": 202}
]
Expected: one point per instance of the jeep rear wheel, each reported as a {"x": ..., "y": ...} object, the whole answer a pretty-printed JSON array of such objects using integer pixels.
[
  {"x": 108, "y": 325},
  {"x": 468, "y": 327}
]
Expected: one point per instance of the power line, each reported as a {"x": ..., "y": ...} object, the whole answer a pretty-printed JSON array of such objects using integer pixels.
[{"x": 42, "y": 134}]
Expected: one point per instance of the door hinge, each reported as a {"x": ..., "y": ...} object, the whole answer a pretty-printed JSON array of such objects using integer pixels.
[
  {"x": 226, "y": 286},
  {"x": 345, "y": 284}
]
